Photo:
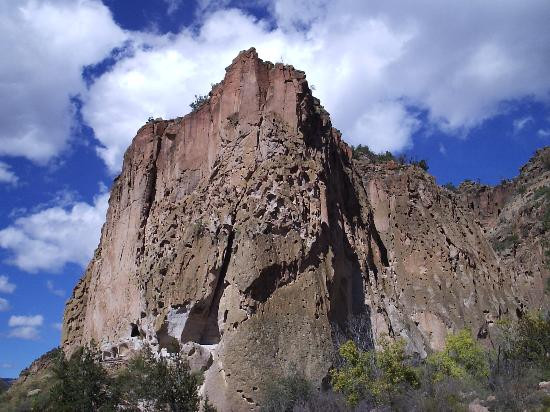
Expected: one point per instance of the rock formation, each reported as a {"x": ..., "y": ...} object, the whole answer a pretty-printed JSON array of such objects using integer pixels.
[
  {"x": 515, "y": 216},
  {"x": 246, "y": 234}
]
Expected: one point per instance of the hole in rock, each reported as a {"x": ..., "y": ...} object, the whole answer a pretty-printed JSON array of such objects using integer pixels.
[{"x": 134, "y": 330}]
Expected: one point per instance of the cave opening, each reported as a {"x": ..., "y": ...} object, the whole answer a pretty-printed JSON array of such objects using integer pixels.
[{"x": 134, "y": 332}]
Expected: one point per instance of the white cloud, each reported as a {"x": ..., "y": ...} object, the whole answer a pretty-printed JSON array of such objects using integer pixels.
[
  {"x": 36, "y": 320},
  {"x": 369, "y": 61},
  {"x": 50, "y": 238},
  {"x": 520, "y": 123},
  {"x": 52, "y": 289},
  {"x": 25, "y": 332},
  {"x": 57, "y": 326},
  {"x": 6, "y": 365},
  {"x": 442, "y": 149},
  {"x": 25, "y": 327},
  {"x": 363, "y": 57},
  {"x": 45, "y": 45},
  {"x": 385, "y": 126},
  {"x": 5, "y": 285},
  {"x": 544, "y": 133},
  {"x": 6, "y": 175},
  {"x": 4, "y": 305}
]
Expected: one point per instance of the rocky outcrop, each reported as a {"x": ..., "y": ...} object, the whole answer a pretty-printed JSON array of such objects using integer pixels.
[
  {"x": 441, "y": 272},
  {"x": 515, "y": 217},
  {"x": 230, "y": 231},
  {"x": 245, "y": 235}
]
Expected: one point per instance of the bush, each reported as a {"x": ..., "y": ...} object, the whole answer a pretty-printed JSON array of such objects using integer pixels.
[
  {"x": 526, "y": 340},
  {"x": 423, "y": 164},
  {"x": 360, "y": 150},
  {"x": 367, "y": 374},
  {"x": 159, "y": 383},
  {"x": 198, "y": 102},
  {"x": 83, "y": 385},
  {"x": 285, "y": 393},
  {"x": 462, "y": 358},
  {"x": 451, "y": 379}
]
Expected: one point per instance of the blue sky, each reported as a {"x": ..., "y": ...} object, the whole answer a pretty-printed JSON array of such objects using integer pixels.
[{"x": 465, "y": 86}]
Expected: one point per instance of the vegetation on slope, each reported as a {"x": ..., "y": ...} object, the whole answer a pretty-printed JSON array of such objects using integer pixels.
[
  {"x": 81, "y": 383},
  {"x": 504, "y": 378},
  {"x": 361, "y": 151}
]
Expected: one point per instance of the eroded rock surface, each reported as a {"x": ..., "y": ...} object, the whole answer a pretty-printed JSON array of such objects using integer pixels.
[
  {"x": 245, "y": 234},
  {"x": 515, "y": 216}
]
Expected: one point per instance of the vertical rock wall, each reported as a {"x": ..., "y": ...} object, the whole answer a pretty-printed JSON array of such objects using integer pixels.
[{"x": 244, "y": 234}]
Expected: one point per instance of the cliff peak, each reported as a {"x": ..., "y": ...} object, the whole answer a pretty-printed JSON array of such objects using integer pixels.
[{"x": 244, "y": 236}]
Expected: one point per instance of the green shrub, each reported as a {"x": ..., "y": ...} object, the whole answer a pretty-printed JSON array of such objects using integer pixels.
[
  {"x": 527, "y": 339},
  {"x": 159, "y": 383},
  {"x": 360, "y": 150},
  {"x": 422, "y": 163},
  {"x": 364, "y": 151},
  {"x": 354, "y": 378},
  {"x": 82, "y": 384},
  {"x": 198, "y": 102},
  {"x": 373, "y": 374},
  {"x": 462, "y": 358}
]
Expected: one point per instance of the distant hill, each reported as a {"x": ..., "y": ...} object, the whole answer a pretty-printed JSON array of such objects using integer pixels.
[{"x": 5, "y": 383}]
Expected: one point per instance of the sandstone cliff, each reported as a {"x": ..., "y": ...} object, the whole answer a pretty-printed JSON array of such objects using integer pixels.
[{"x": 245, "y": 233}]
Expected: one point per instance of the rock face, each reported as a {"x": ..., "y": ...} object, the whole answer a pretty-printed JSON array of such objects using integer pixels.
[
  {"x": 515, "y": 216},
  {"x": 246, "y": 234},
  {"x": 441, "y": 271}
]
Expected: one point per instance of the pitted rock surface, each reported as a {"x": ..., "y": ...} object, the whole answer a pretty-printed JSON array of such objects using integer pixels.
[{"x": 245, "y": 234}]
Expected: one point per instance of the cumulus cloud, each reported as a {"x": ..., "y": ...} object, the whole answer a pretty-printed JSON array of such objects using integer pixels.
[
  {"x": 370, "y": 62},
  {"x": 45, "y": 45},
  {"x": 25, "y": 327},
  {"x": 385, "y": 126},
  {"x": 456, "y": 63},
  {"x": 6, "y": 175},
  {"x": 50, "y": 238},
  {"x": 5, "y": 285},
  {"x": 35, "y": 320},
  {"x": 4, "y": 305}
]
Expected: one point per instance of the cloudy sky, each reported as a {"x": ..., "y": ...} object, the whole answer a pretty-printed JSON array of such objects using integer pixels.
[{"x": 465, "y": 85}]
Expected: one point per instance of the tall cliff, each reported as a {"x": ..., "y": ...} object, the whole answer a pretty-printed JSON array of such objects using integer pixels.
[{"x": 245, "y": 233}]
